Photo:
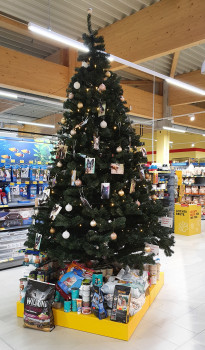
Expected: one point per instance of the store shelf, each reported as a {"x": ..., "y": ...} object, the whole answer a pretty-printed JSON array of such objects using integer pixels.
[
  {"x": 14, "y": 228},
  {"x": 194, "y": 194},
  {"x": 16, "y": 205},
  {"x": 11, "y": 262}
]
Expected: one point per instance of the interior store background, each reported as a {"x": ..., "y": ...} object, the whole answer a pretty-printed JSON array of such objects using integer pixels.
[{"x": 164, "y": 39}]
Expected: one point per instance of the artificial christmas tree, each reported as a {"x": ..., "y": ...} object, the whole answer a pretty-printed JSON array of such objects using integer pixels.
[{"x": 103, "y": 202}]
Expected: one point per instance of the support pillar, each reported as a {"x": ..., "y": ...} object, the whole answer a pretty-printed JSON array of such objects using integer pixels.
[{"x": 163, "y": 137}]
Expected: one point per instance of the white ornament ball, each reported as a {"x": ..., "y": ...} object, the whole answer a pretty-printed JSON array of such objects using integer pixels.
[
  {"x": 85, "y": 64},
  {"x": 122, "y": 98},
  {"x": 59, "y": 164},
  {"x": 109, "y": 221},
  {"x": 119, "y": 149},
  {"x": 93, "y": 223},
  {"x": 113, "y": 236},
  {"x": 80, "y": 105},
  {"x": 76, "y": 85},
  {"x": 103, "y": 124},
  {"x": 68, "y": 207},
  {"x": 71, "y": 95},
  {"x": 90, "y": 10},
  {"x": 73, "y": 132},
  {"x": 66, "y": 234},
  {"x": 108, "y": 74},
  {"x": 102, "y": 87}
]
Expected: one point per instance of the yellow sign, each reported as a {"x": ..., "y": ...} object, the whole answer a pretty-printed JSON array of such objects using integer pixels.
[
  {"x": 39, "y": 162},
  {"x": 21, "y": 161},
  {"x": 2, "y": 160},
  {"x": 12, "y": 160},
  {"x": 187, "y": 219},
  {"x": 179, "y": 175},
  {"x": 27, "y": 182},
  {"x": 30, "y": 161}
]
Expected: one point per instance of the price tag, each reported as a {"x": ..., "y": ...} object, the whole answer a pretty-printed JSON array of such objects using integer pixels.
[
  {"x": 40, "y": 182},
  {"x": 34, "y": 182},
  {"x": 30, "y": 161},
  {"x": 2, "y": 229},
  {"x": 18, "y": 182},
  {"x": 39, "y": 162},
  {"x": 11, "y": 183},
  {"x": 46, "y": 162},
  {"x": 21, "y": 161},
  {"x": 166, "y": 221},
  {"x": 4, "y": 206},
  {"x": 27, "y": 182},
  {"x": 2, "y": 160},
  {"x": 12, "y": 160}
]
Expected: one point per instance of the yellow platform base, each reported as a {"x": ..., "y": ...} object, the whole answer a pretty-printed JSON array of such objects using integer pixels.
[
  {"x": 187, "y": 219},
  {"x": 91, "y": 324}
]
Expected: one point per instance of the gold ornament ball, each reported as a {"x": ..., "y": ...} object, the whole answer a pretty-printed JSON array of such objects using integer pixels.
[
  {"x": 78, "y": 182},
  {"x": 80, "y": 105},
  {"x": 63, "y": 120},
  {"x": 93, "y": 223},
  {"x": 154, "y": 197},
  {"x": 147, "y": 176},
  {"x": 113, "y": 236},
  {"x": 52, "y": 230},
  {"x": 73, "y": 132},
  {"x": 108, "y": 74},
  {"x": 147, "y": 249},
  {"x": 119, "y": 149},
  {"x": 121, "y": 193}
]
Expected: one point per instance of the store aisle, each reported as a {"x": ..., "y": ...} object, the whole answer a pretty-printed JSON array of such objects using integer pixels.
[{"x": 176, "y": 319}]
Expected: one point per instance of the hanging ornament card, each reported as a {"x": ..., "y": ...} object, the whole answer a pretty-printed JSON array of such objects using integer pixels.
[
  {"x": 55, "y": 211},
  {"x": 117, "y": 168},
  {"x": 89, "y": 165},
  {"x": 105, "y": 190}
]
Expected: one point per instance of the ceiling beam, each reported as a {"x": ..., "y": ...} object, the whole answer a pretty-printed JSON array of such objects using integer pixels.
[
  {"x": 183, "y": 110},
  {"x": 174, "y": 64},
  {"x": 157, "y": 30},
  {"x": 26, "y": 73},
  {"x": 137, "y": 82},
  {"x": 178, "y": 96},
  {"x": 138, "y": 74}
]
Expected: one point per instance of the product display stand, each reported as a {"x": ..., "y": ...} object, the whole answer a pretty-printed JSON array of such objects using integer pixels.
[
  {"x": 187, "y": 220},
  {"x": 91, "y": 324}
]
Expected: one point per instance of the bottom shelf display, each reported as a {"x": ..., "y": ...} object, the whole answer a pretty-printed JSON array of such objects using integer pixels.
[{"x": 91, "y": 324}]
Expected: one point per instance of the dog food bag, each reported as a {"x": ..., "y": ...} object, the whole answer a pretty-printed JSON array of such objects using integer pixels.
[{"x": 38, "y": 305}]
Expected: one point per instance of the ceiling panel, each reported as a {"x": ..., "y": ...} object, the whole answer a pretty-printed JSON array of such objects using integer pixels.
[{"x": 190, "y": 59}]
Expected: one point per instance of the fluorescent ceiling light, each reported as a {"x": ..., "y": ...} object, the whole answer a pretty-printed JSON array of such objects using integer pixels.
[
  {"x": 192, "y": 145},
  {"x": 192, "y": 117},
  {"x": 37, "y": 124},
  {"x": 57, "y": 37},
  {"x": 170, "y": 141},
  {"x": 8, "y": 94},
  {"x": 172, "y": 129},
  {"x": 8, "y": 134},
  {"x": 203, "y": 135},
  {"x": 185, "y": 86}
]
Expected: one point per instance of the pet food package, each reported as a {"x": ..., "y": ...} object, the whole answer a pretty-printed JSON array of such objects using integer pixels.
[
  {"x": 70, "y": 280},
  {"x": 38, "y": 306},
  {"x": 23, "y": 190},
  {"x": 97, "y": 305},
  {"x": 34, "y": 173},
  {"x": 7, "y": 173},
  {"x": 32, "y": 191},
  {"x": 121, "y": 304},
  {"x": 24, "y": 172},
  {"x": 16, "y": 173}
]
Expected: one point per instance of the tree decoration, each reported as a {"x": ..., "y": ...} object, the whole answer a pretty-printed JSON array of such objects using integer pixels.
[
  {"x": 93, "y": 223},
  {"x": 90, "y": 10},
  {"x": 59, "y": 164},
  {"x": 73, "y": 132},
  {"x": 119, "y": 149},
  {"x": 138, "y": 203},
  {"x": 66, "y": 234},
  {"x": 102, "y": 87},
  {"x": 80, "y": 105},
  {"x": 121, "y": 193},
  {"x": 154, "y": 197},
  {"x": 68, "y": 207},
  {"x": 85, "y": 64},
  {"x": 108, "y": 74},
  {"x": 113, "y": 236},
  {"x": 103, "y": 124},
  {"x": 78, "y": 182},
  {"x": 70, "y": 95},
  {"x": 122, "y": 98},
  {"x": 76, "y": 85},
  {"x": 63, "y": 120},
  {"x": 52, "y": 230}
]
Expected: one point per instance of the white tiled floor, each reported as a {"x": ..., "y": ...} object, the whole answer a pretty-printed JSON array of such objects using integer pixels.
[{"x": 176, "y": 319}]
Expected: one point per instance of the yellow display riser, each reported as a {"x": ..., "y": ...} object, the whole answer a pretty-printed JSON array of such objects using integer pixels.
[{"x": 91, "y": 324}]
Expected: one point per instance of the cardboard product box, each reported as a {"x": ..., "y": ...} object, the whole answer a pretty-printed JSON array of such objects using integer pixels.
[
  {"x": 121, "y": 304},
  {"x": 16, "y": 217}
]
